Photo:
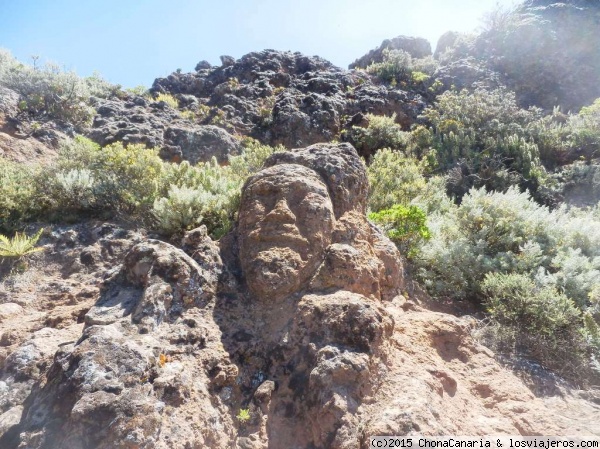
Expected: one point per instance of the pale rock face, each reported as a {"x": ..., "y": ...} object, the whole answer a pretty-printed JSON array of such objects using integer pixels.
[{"x": 285, "y": 222}]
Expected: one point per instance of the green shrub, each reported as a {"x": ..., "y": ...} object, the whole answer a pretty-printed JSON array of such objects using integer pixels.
[
  {"x": 207, "y": 193},
  {"x": 395, "y": 66},
  {"x": 78, "y": 153},
  {"x": 128, "y": 176},
  {"x": 131, "y": 182},
  {"x": 188, "y": 115},
  {"x": 99, "y": 87},
  {"x": 586, "y": 131},
  {"x": 117, "y": 179},
  {"x": 419, "y": 77},
  {"x": 49, "y": 91},
  {"x": 514, "y": 300},
  {"x": 552, "y": 135},
  {"x": 19, "y": 245},
  {"x": 536, "y": 270},
  {"x": 509, "y": 233},
  {"x": 399, "y": 67},
  {"x": 485, "y": 138},
  {"x": 215, "y": 187},
  {"x": 252, "y": 158},
  {"x": 381, "y": 132},
  {"x": 180, "y": 210},
  {"x": 17, "y": 193},
  {"x": 168, "y": 99},
  {"x": 394, "y": 179},
  {"x": 75, "y": 189},
  {"x": 545, "y": 324},
  {"x": 404, "y": 225},
  {"x": 137, "y": 90}
]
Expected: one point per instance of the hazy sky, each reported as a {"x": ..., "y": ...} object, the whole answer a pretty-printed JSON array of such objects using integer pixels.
[{"x": 131, "y": 42}]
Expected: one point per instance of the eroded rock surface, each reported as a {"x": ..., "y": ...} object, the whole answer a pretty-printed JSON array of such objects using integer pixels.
[
  {"x": 287, "y": 98},
  {"x": 295, "y": 331}
]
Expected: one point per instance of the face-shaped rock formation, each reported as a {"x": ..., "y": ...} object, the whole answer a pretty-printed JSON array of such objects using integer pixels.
[
  {"x": 302, "y": 226},
  {"x": 316, "y": 273},
  {"x": 285, "y": 222}
]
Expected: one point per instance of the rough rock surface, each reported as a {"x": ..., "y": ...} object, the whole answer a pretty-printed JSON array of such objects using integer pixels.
[
  {"x": 417, "y": 47},
  {"x": 175, "y": 342},
  {"x": 200, "y": 143},
  {"x": 22, "y": 141},
  {"x": 286, "y": 98}
]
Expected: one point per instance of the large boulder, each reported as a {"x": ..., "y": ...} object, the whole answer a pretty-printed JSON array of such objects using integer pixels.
[
  {"x": 200, "y": 143},
  {"x": 149, "y": 356}
]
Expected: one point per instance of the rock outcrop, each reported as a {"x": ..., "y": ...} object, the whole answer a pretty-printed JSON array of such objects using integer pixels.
[
  {"x": 155, "y": 124},
  {"x": 417, "y": 47},
  {"x": 298, "y": 329},
  {"x": 287, "y": 98}
]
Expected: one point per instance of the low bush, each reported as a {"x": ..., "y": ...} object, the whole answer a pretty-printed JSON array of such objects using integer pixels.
[
  {"x": 381, "y": 132},
  {"x": 484, "y": 137},
  {"x": 404, "y": 225},
  {"x": 206, "y": 193},
  {"x": 536, "y": 270},
  {"x": 131, "y": 182},
  {"x": 52, "y": 92},
  {"x": 394, "y": 179},
  {"x": 252, "y": 158},
  {"x": 168, "y": 99},
  {"x": 18, "y": 194},
  {"x": 398, "y": 66},
  {"x": 539, "y": 322},
  {"x": 395, "y": 66}
]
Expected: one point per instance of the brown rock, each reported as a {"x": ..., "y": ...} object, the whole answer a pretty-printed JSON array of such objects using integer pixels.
[{"x": 285, "y": 222}]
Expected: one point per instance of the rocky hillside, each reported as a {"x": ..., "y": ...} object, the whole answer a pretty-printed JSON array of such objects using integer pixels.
[
  {"x": 266, "y": 339},
  {"x": 280, "y": 253}
]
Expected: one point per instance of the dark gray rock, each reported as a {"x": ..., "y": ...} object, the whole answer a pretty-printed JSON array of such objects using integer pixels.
[
  {"x": 200, "y": 143},
  {"x": 289, "y": 98},
  {"x": 417, "y": 47},
  {"x": 227, "y": 61},
  {"x": 202, "y": 65}
]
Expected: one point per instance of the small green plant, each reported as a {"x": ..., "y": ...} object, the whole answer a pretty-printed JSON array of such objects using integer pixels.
[
  {"x": 180, "y": 210},
  {"x": 168, "y": 99},
  {"x": 396, "y": 65},
  {"x": 20, "y": 245},
  {"x": 419, "y": 77},
  {"x": 203, "y": 112},
  {"x": 541, "y": 321},
  {"x": 243, "y": 415},
  {"x": 188, "y": 115},
  {"x": 381, "y": 132},
  {"x": 233, "y": 83},
  {"x": 137, "y": 90},
  {"x": 404, "y": 225}
]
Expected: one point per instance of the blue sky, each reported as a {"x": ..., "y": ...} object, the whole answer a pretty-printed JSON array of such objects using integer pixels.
[{"x": 131, "y": 42}]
